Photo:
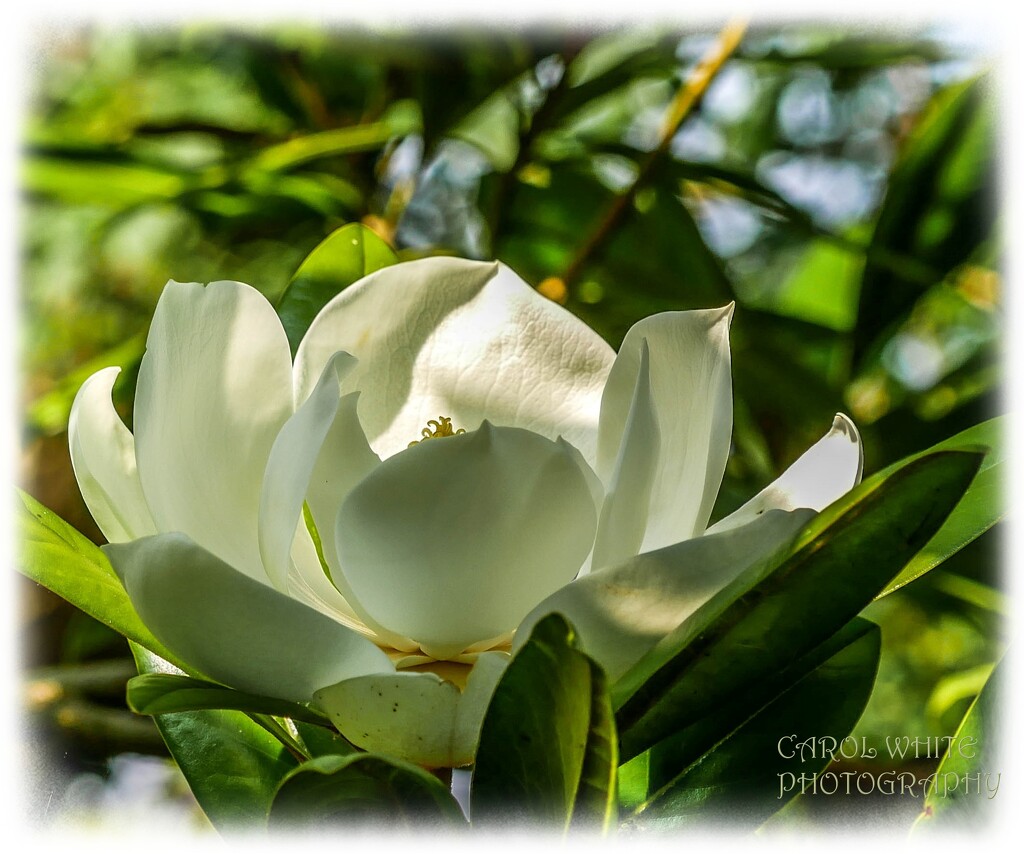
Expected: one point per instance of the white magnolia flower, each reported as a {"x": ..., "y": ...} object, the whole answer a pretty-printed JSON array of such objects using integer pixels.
[{"x": 583, "y": 483}]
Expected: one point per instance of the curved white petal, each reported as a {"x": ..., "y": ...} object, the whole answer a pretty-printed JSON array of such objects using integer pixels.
[
  {"x": 626, "y": 508},
  {"x": 214, "y": 391},
  {"x": 454, "y": 540},
  {"x": 418, "y": 717},
  {"x": 320, "y": 454},
  {"x": 291, "y": 465},
  {"x": 692, "y": 391},
  {"x": 622, "y": 612},
  {"x": 825, "y": 472},
  {"x": 234, "y": 629},
  {"x": 308, "y": 583},
  {"x": 463, "y": 339},
  {"x": 103, "y": 457}
]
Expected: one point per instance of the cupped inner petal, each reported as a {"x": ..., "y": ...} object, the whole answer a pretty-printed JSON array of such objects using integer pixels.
[
  {"x": 214, "y": 390},
  {"x": 825, "y": 472},
  {"x": 234, "y": 629},
  {"x": 691, "y": 388},
  {"x": 454, "y": 540},
  {"x": 419, "y": 717},
  {"x": 103, "y": 458},
  {"x": 621, "y": 612},
  {"x": 463, "y": 339}
]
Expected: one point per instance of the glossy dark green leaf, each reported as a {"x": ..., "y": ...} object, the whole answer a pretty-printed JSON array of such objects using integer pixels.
[
  {"x": 777, "y": 612},
  {"x": 363, "y": 790},
  {"x": 345, "y": 256},
  {"x": 160, "y": 693},
  {"x": 937, "y": 210},
  {"x": 547, "y": 753},
  {"x": 54, "y": 554},
  {"x": 981, "y": 507},
  {"x": 232, "y": 764},
  {"x": 961, "y": 794},
  {"x": 736, "y": 767}
]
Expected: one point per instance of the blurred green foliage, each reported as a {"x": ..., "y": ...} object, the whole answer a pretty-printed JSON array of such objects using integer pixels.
[{"x": 837, "y": 184}]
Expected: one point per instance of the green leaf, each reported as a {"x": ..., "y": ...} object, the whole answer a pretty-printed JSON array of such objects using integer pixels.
[
  {"x": 344, "y": 257},
  {"x": 741, "y": 774},
  {"x": 980, "y": 508},
  {"x": 232, "y": 764},
  {"x": 362, "y": 789},
  {"x": 608, "y": 51},
  {"x": 493, "y": 127},
  {"x": 337, "y": 141},
  {"x": 969, "y": 775},
  {"x": 547, "y": 749},
  {"x": 822, "y": 287},
  {"x": 317, "y": 740},
  {"x": 54, "y": 554},
  {"x": 937, "y": 209},
  {"x": 113, "y": 185},
  {"x": 776, "y": 612},
  {"x": 160, "y": 693}
]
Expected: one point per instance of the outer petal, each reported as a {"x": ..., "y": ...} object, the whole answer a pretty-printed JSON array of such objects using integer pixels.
[
  {"x": 214, "y": 390},
  {"x": 464, "y": 339},
  {"x": 826, "y": 471},
  {"x": 622, "y": 612},
  {"x": 235, "y": 629},
  {"x": 627, "y": 506},
  {"x": 454, "y": 540},
  {"x": 418, "y": 717},
  {"x": 692, "y": 392},
  {"x": 103, "y": 457}
]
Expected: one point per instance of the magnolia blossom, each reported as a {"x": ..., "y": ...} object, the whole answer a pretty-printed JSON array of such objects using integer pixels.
[{"x": 373, "y": 528}]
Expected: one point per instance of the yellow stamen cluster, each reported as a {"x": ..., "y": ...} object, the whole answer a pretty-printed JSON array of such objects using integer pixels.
[{"x": 437, "y": 430}]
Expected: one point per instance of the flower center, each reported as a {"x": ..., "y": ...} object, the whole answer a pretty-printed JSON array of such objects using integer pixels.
[{"x": 437, "y": 430}]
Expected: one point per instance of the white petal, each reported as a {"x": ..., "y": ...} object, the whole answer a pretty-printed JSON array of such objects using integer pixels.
[
  {"x": 320, "y": 454},
  {"x": 418, "y": 717},
  {"x": 692, "y": 391},
  {"x": 624, "y": 514},
  {"x": 103, "y": 457},
  {"x": 463, "y": 339},
  {"x": 291, "y": 465},
  {"x": 308, "y": 583},
  {"x": 825, "y": 472},
  {"x": 214, "y": 391},
  {"x": 454, "y": 540},
  {"x": 622, "y": 612},
  {"x": 234, "y": 629}
]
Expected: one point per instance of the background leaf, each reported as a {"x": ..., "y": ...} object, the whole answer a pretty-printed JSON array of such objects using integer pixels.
[
  {"x": 937, "y": 210},
  {"x": 974, "y": 764}
]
